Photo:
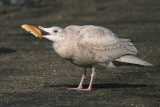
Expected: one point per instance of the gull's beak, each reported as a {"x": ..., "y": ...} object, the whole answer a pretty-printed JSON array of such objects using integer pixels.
[
  {"x": 49, "y": 33},
  {"x": 47, "y": 30}
]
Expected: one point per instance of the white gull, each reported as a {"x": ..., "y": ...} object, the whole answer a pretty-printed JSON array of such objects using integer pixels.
[{"x": 91, "y": 47}]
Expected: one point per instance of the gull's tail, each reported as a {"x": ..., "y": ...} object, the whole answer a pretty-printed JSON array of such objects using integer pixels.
[{"x": 132, "y": 59}]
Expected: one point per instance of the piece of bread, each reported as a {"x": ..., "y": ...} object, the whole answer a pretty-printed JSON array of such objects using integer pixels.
[{"x": 34, "y": 30}]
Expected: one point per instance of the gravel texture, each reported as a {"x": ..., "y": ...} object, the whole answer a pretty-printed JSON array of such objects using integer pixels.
[{"x": 32, "y": 74}]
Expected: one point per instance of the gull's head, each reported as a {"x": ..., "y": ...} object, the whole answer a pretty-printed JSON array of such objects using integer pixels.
[{"x": 53, "y": 33}]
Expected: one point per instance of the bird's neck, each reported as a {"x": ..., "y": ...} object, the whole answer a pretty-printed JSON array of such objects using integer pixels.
[{"x": 62, "y": 49}]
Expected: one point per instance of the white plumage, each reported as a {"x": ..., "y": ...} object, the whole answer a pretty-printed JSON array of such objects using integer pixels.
[{"x": 91, "y": 46}]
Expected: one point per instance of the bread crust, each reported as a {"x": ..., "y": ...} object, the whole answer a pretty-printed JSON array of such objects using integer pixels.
[{"x": 34, "y": 30}]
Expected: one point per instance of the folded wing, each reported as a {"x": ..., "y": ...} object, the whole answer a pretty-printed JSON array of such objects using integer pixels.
[{"x": 104, "y": 44}]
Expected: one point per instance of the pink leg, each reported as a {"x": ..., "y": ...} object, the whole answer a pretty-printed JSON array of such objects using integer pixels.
[
  {"x": 91, "y": 81},
  {"x": 81, "y": 83}
]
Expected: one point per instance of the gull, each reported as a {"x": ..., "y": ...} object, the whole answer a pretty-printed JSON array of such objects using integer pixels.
[{"x": 92, "y": 47}]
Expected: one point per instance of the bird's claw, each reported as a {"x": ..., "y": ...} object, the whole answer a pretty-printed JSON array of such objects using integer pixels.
[{"x": 79, "y": 89}]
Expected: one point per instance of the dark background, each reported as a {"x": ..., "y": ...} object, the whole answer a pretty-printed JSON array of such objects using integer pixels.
[{"x": 32, "y": 74}]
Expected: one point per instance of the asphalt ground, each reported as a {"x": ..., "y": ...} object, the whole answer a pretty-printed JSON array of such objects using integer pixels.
[{"x": 32, "y": 74}]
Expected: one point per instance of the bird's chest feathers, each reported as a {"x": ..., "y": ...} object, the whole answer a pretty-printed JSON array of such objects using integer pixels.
[{"x": 62, "y": 49}]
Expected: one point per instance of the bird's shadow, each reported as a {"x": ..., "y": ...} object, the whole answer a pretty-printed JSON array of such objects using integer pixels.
[{"x": 101, "y": 86}]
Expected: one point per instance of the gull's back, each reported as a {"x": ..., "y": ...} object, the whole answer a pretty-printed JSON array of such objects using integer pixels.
[{"x": 95, "y": 44}]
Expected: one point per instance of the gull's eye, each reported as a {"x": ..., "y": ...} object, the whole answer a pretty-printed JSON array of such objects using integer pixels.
[{"x": 55, "y": 31}]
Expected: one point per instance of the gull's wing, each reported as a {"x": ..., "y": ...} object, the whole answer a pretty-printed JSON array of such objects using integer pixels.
[{"x": 104, "y": 44}]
